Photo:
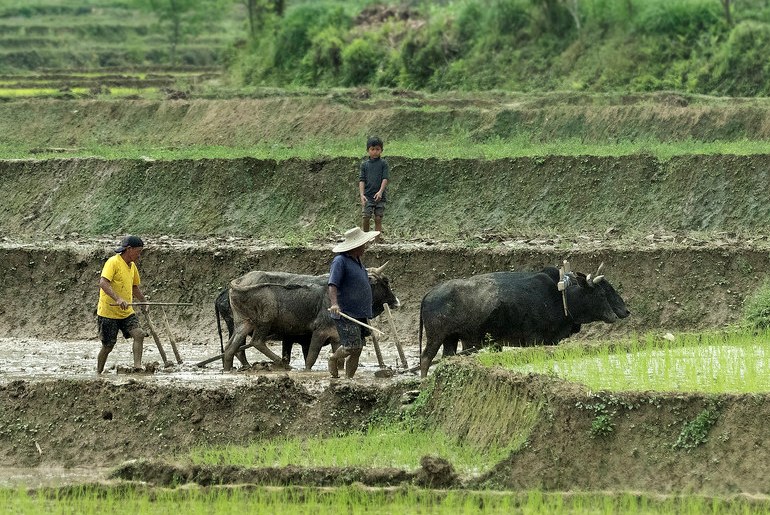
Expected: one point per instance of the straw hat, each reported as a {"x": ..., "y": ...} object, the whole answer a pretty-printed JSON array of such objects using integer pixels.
[{"x": 354, "y": 238}]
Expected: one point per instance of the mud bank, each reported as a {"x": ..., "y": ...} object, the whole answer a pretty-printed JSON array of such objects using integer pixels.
[
  {"x": 106, "y": 422},
  {"x": 647, "y": 443}
]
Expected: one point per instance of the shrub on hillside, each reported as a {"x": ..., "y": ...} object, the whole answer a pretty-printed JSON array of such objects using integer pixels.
[
  {"x": 740, "y": 67},
  {"x": 298, "y": 29},
  {"x": 424, "y": 54},
  {"x": 389, "y": 71},
  {"x": 360, "y": 61},
  {"x": 324, "y": 58},
  {"x": 686, "y": 19}
]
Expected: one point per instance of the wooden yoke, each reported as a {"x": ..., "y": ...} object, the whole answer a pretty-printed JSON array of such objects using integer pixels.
[{"x": 562, "y": 284}]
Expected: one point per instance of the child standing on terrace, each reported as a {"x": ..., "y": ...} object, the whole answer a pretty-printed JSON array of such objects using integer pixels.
[{"x": 372, "y": 184}]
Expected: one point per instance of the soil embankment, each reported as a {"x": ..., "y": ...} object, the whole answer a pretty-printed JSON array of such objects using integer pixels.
[
  {"x": 463, "y": 200},
  {"x": 576, "y": 440}
]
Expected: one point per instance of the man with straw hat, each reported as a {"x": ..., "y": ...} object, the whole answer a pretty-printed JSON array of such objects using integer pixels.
[{"x": 351, "y": 294}]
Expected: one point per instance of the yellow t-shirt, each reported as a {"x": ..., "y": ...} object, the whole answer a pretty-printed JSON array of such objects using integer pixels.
[{"x": 122, "y": 279}]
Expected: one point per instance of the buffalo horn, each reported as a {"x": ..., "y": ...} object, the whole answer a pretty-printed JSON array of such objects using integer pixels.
[
  {"x": 594, "y": 280},
  {"x": 599, "y": 270},
  {"x": 378, "y": 270}
]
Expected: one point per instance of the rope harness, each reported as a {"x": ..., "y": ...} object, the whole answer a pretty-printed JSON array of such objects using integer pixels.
[{"x": 565, "y": 280}]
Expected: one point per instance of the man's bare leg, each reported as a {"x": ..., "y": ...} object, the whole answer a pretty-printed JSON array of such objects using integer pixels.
[
  {"x": 101, "y": 358},
  {"x": 138, "y": 335},
  {"x": 351, "y": 364}
]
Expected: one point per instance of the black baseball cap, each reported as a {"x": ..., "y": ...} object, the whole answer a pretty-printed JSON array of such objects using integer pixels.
[{"x": 129, "y": 241}]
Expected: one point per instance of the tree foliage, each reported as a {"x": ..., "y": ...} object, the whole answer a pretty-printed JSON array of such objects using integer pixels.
[{"x": 179, "y": 18}]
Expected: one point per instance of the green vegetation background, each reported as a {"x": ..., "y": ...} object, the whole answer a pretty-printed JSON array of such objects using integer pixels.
[
  {"x": 714, "y": 47},
  {"x": 695, "y": 46}
]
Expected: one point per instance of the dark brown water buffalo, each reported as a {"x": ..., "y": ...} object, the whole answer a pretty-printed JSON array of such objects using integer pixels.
[
  {"x": 517, "y": 308},
  {"x": 224, "y": 312},
  {"x": 284, "y": 305}
]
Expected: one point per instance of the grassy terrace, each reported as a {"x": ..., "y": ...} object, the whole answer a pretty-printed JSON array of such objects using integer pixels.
[{"x": 451, "y": 147}]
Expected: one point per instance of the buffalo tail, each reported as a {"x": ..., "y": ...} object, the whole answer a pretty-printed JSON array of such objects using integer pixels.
[
  {"x": 419, "y": 333},
  {"x": 219, "y": 329}
]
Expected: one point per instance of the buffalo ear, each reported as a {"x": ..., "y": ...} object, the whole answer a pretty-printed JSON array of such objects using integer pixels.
[{"x": 582, "y": 280}]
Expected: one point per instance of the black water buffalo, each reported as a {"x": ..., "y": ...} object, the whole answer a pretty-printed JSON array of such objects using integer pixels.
[
  {"x": 224, "y": 312},
  {"x": 517, "y": 308},
  {"x": 281, "y": 305}
]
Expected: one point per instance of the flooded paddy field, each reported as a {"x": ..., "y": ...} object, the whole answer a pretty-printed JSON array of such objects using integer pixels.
[{"x": 58, "y": 415}]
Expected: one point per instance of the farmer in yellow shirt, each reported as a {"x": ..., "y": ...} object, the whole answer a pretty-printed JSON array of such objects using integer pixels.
[{"x": 119, "y": 284}]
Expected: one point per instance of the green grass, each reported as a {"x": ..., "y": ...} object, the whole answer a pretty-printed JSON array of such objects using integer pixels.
[
  {"x": 77, "y": 92},
  {"x": 451, "y": 147},
  {"x": 729, "y": 362},
  {"x": 103, "y": 500},
  {"x": 378, "y": 447}
]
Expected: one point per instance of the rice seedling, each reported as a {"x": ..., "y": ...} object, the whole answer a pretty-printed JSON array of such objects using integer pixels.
[
  {"x": 377, "y": 447},
  {"x": 95, "y": 499},
  {"x": 27, "y": 92},
  {"x": 716, "y": 362}
]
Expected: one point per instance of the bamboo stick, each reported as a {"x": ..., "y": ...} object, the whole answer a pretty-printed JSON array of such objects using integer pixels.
[
  {"x": 372, "y": 329},
  {"x": 155, "y": 337},
  {"x": 395, "y": 336},
  {"x": 157, "y": 304},
  {"x": 171, "y": 337}
]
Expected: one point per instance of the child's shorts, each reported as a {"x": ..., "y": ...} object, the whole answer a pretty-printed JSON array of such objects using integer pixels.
[{"x": 378, "y": 208}]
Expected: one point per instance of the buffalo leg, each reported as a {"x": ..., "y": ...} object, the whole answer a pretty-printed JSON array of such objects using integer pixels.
[
  {"x": 241, "y": 355},
  {"x": 314, "y": 348},
  {"x": 450, "y": 348},
  {"x": 235, "y": 342},
  {"x": 286, "y": 345},
  {"x": 431, "y": 349},
  {"x": 258, "y": 341},
  {"x": 304, "y": 342}
]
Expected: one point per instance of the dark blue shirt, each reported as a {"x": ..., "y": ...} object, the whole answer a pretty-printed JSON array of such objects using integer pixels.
[
  {"x": 372, "y": 172},
  {"x": 354, "y": 294}
]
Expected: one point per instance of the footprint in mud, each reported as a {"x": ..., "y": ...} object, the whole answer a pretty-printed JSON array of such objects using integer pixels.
[{"x": 149, "y": 368}]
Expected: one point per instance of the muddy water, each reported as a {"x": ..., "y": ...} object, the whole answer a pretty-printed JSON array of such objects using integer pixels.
[
  {"x": 13, "y": 477},
  {"x": 32, "y": 359}
]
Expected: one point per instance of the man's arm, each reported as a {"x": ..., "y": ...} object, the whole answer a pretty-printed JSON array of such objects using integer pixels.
[
  {"x": 139, "y": 295},
  {"x": 106, "y": 286},
  {"x": 334, "y": 309}
]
